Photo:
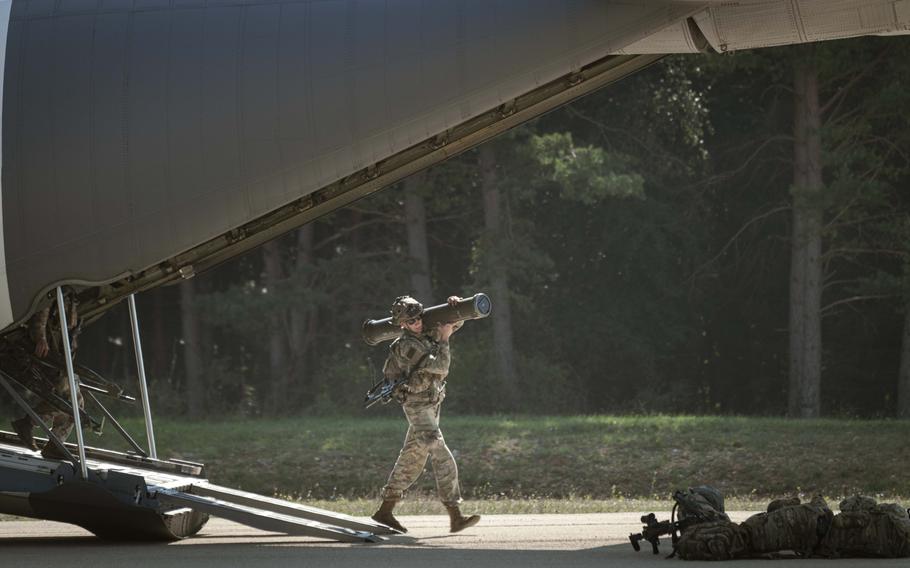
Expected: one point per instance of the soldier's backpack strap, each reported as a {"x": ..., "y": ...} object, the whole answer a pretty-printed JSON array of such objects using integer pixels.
[
  {"x": 393, "y": 345},
  {"x": 414, "y": 355},
  {"x": 393, "y": 387},
  {"x": 400, "y": 386}
]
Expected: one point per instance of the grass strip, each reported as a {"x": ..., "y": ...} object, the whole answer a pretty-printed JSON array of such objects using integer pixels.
[{"x": 591, "y": 463}]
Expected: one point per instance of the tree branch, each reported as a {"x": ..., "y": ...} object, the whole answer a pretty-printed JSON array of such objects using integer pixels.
[
  {"x": 866, "y": 220},
  {"x": 339, "y": 233},
  {"x": 604, "y": 129},
  {"x": 846, "y": 251},
  {"x": 856, "y": 299},
  {"x": 890, "y": 145},
  {"x": 723, "y": 176},
  {"x": 842, "y": 281},
  {"x": 733, "y": 239},
  {"x": 842, "y": 92}
]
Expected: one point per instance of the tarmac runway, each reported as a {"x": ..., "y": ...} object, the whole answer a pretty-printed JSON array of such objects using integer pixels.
[{"x": 499, "y": 541}]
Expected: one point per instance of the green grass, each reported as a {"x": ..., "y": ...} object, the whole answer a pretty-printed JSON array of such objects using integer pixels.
[{"x": 549, "y": 464}]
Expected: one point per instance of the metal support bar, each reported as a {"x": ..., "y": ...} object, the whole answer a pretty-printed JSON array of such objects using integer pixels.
[
  {"x": 56, "y": 401},
  {"x": 74, "y": 388},
  {"x": 93, "y": 388},
  {"x": 129, "y": 439},
  {"x": 143, "y": 385},
  {"x": 51, "y": 437},
  {"x": 261, "y": 519},
  {"x": 279, "y": 506}
]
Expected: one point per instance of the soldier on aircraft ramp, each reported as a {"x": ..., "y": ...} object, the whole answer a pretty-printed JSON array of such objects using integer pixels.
[{"x": 43, "y": 339}]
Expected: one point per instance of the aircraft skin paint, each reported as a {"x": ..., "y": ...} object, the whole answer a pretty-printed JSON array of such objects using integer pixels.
[
  {"x": 123, "y": 121},
  {"x": 6, "y": 309}
]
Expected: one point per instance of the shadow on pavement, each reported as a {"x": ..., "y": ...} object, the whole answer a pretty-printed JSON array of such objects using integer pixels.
[{"x": 404, "y": 552}]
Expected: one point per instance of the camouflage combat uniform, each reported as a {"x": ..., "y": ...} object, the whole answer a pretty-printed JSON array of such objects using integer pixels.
[
  {"x": 862, "y": 529},
  {"x": 428, "y": 362},
  {"x": 44, "y": 326}
]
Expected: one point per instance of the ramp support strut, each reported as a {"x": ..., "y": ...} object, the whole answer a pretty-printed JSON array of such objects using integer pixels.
[
  {"x": 74, "y": 387},
  {"x": 143, "y": 385}
]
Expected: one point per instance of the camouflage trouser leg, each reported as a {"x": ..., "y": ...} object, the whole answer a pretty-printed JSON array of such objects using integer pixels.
[
  {"x": 424, "y": 439},
  {"x": 60, "y": 422}
]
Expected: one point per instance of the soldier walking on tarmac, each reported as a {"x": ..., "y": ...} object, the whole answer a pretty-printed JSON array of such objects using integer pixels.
[{"x": 421, "y": 357}]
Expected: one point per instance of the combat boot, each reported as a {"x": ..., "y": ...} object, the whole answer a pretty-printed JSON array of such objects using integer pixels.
[
  {"x": 52, "y": 452},
  {"x": 23, "y": 429},
  {"x": 384, "y": 516},
  {"x": 459, "y": 522}
]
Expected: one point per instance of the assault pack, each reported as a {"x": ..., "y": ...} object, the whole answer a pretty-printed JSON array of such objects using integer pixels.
[{"x": 789, "y": 527}]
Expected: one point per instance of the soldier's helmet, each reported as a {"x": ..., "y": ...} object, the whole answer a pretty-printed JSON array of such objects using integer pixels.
[{"x": 405, "y": 308}]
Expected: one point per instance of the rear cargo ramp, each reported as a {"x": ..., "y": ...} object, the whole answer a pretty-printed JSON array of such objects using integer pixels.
[{"x": 270, "y": 514}]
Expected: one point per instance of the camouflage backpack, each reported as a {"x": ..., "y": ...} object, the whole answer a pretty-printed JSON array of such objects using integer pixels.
[
  {"x": 708, "y": 534},
  {"x": 866, "y": 529},
  {"x": 789, "y": 525},
  {"x": 717, "y": 540},
  {"x": 702, "y": 503}
]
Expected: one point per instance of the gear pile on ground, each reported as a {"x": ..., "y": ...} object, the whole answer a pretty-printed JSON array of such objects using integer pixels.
[{"x": 863, "y": 528}]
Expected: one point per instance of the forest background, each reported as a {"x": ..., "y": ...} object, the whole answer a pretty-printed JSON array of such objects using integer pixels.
[{"x": 722, "y": 234}]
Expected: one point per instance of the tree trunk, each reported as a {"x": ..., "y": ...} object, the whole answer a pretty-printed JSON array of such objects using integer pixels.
[
  {"x": 805, "y": 263},
  {"x": 273, "y": 274},
  {"x": 302, "y": 320},
  {"x": 192, "y": 350},
  {"x": 503, "y": 344},
  {"x": 418, "y": 249},
  {"x": 903, "y": 381}
]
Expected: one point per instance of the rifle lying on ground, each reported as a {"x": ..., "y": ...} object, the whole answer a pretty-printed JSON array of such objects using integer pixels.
[
  {"x": 654, "y": 529},
  {"x": 701, "y": 504}
]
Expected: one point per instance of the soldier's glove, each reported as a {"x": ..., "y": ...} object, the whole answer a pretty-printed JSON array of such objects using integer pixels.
[
  {"x": 115, "y": 390},
  {"x": 400, "y": 393}
]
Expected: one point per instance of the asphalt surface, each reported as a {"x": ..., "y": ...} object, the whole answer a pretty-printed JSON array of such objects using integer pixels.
[{"x": 499, "y": 541}]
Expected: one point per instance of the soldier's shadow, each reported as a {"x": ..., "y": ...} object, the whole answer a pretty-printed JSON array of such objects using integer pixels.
[{"x": 442, "y": 537}]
